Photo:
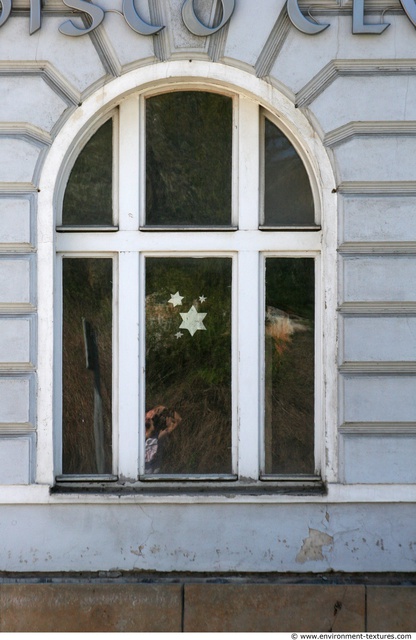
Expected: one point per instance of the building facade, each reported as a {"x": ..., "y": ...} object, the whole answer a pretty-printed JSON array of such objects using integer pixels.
[{"x": 207, "y": 207}]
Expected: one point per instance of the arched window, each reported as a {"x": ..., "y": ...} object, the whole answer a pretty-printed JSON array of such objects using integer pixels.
[{"x": 189, "y": 263}]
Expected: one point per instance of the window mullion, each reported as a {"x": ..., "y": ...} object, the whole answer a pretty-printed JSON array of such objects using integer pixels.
[
  {"x": 128, "y": 367},
  {"x": 250, "y": 412},
  {"x": 248, "y": 292},
  {"x": 248, "y": 165},
  {"x": 129, "y": 164}
]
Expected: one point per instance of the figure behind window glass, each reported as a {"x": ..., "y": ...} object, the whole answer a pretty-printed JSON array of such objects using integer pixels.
[{"x": 160, "y": 422}]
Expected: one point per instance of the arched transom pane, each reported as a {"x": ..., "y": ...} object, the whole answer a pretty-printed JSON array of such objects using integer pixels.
[
  {"x": 89, "y": 192},
  {"x": 288, "y": 199},
  {"x": 188, "y": 159}
]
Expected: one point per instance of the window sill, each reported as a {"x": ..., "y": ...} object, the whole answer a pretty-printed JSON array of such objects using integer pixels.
[
  {"x": 86, "y": 228},
  {"x": 215, "y": 488},
  {"x": 331, "y": 493},
  {"x": 265, "y": 227}
]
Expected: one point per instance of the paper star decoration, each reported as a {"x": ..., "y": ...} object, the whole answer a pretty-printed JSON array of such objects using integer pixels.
[
  {"x": 178, "y": 335},
  {"x": 202, "y": 298},
  {"x": 176, "y": 299},
  {"x": 193, "y": 321}
]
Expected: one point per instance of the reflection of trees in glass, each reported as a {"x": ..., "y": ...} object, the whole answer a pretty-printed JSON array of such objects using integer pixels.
[
  {"x": 289, "y": 346},
  {"x": 287, "y": 194},
  {"x": 88, "y": 195},
  {"x": 87, "y": 302},
  {"x": 188, "y": 158},
  {"x": 191, "y": 375}
]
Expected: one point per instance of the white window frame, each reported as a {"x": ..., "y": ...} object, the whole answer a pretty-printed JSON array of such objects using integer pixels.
[{"x": 248, "y": 394}]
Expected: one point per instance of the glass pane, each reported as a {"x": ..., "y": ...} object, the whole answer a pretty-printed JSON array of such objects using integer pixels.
[
  {"x": 289, "y": 397},
  {"x": 288, "y": 197},
  {"x": 87, "y": 365},
  {"x": 88, "y": 196},
  {"x": 188, "y": 365},
  {"x": 188, "y": 159}
]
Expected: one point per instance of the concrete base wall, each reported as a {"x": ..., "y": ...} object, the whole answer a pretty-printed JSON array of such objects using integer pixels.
[{"x": 203, "y": 607}]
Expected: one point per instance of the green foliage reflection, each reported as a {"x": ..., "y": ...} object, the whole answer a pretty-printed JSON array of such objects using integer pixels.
[
  {"x": 288, "y": 196},
  {"x": 87, "y": 297},
  {"x": 188, "y": 159},
  {"x": 191, "y": 374},
  {"x": 88, "y": 195},
  {"x": 289, "y": 424}
]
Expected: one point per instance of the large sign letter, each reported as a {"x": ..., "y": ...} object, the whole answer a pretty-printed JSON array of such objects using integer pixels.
[
  {"x": 358, "y": 25},
  {"x": 410, "y": 8},
  {"x": 97, "y": 15},
  {"x": 34, "y": 20},
  {"x": 135, "y": 22},
  {"x": 6, "y": 7},
  {"x": 301, "y": 22},
  {"x": 196, "y": 27}
]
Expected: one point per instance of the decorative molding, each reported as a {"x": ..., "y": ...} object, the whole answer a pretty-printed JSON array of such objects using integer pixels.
[
  {"x": 31, "y": 133},
  {"x": 9, "y": 368},
  {"x": 16, "y": 428},
  {"x": 378, "y": 308},
  {"x": 370, "y": 5},
  {"x": 378, "y": 428},
  {"x": 16, "y": 309},
  {"x": 373, "y": 188},
  {"x": 17, "y": 188},
  {"x": 50, "y": 75},
  {"x": 14, "y": 247},
  {"x": 273, "y": 45},
  {"x": 356, "y": 129},
  {"x": 106, "y": 51},
  {"x": 338, "y": 68},
  {"x": 161, "y": 44},
  {"x": 218, "y": 40},
  {"x": 377, "y": 248},
  {"x": 376, "y": 368}
]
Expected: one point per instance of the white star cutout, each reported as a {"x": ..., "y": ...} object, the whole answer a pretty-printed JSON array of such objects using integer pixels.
[
  {"x": 202, "y": 298},
  {"x": 176, "y": 299},
  {"x": 178, "y": 335},
  {"x": 193, "y": 321}
]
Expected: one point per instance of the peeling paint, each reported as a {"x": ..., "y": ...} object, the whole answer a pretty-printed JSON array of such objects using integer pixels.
[
  {"x": 312, "y": 546},
  {"x": 138, "y": 552}
]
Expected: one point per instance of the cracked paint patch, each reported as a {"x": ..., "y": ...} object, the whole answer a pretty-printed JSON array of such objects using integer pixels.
[
  {"x": 138, "y": 552},
  {"x": 312, "y": 546}
]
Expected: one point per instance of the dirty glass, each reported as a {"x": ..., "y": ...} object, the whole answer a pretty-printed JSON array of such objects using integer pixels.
[
  {"x": 87, "y": 365},
  {"x": 188, "y": 159},
  {"x": 289, "y": 366},
  {"x": 188, "y": 366},
  {"x": 89, "y": 191},
  {"x": 288, "y": 197}
]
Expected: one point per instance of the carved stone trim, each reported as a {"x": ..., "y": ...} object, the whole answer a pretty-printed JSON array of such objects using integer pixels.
[
  {"x": 217, "y": 41},
  {"x": 378, "y": 368},
  {"x": 16, "y": 309},
  {"x": 31, "y": 133},
  {"x": 378, "y": 308},
  {"x": 16, "y": 188},
  {"x": 273, "y": 45},
  {"x": 396, "y": 188},
  {"x": 16, "y": 367},
  {"x": 377, "y": 248},
  {"x": 337, "y": 68},
  {"x": 380, "y": 128},
  {"x": 378, "y": 428},
  {"x": 106, "y": 51},
  {"x": 48, "y": 72},
  {"x": 160, "y": 40},
  {"x": 16, "y": 247}
]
